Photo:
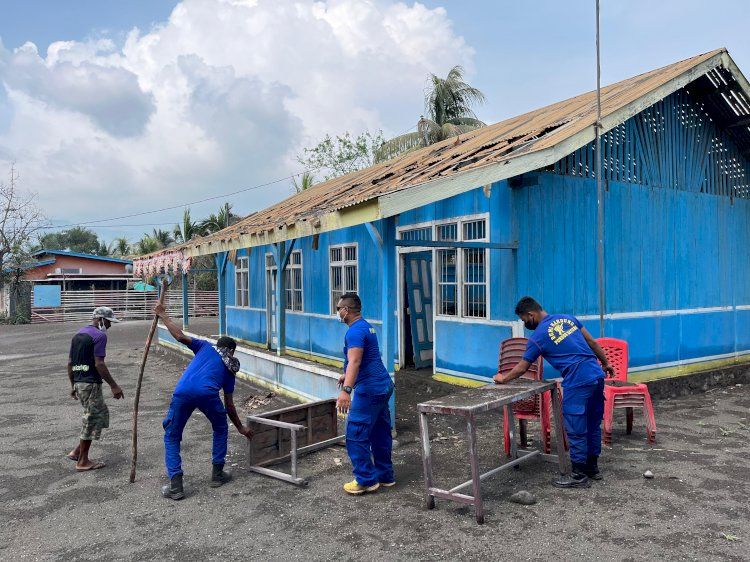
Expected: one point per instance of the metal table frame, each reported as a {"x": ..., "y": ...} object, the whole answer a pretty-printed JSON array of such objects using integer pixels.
[{"x": 468, "y": 404}]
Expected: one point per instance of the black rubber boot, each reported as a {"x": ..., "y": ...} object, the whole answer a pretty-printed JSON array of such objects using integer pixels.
[
  {"x": 219, "y": 477},
  {"x": 592, "y": 468},
  {"x": 577, "y": 478},
  {"x": 173, "y": 490}
]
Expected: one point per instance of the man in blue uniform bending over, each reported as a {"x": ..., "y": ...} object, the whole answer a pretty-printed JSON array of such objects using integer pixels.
[
  {"x": 568, "y": 347},
  {"x": 211, "y": 370},
  {"x": 366, "y": 388}
]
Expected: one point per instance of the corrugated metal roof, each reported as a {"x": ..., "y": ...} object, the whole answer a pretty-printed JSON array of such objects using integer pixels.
[{"x": 501, "y": 143}]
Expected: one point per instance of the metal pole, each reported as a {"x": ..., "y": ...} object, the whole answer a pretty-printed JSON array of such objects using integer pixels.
[{"x": 599, "y": 189}]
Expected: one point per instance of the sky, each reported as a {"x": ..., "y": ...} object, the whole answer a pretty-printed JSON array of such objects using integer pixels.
[{"x": 115, "y": 108}]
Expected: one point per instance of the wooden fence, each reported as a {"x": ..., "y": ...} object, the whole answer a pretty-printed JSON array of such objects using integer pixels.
[{"x": 77, "y": 306}]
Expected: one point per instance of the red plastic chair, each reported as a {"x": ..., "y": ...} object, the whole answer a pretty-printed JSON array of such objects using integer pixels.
[
  {"x": 618, "y": 393},
  {"x": 536, "y": 408}
]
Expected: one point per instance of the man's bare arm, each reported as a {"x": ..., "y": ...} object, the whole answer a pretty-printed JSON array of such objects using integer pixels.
[
  {"x": 72, "y": 384},
  {"x": 173, "y": 328},
  {"x": 232, "y": 413},
  {"x": 104, "y": 373},
  {"x": 599, "y": 352},
  {"x": 514, "y": 373}
]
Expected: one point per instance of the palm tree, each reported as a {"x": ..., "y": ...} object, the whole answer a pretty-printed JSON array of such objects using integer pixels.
[
  {"x": 163, "y": 237},
  {"x": 147, "y": 245},
  {"x": 306, "y": 181},
  {"x": 448, "y": 105},
  {"x": 188, "y": 229},
  {"x": 215, "y": 222},
  {"x": 120, "y": 246}
]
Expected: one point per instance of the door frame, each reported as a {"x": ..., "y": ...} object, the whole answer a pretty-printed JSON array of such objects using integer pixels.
[
  {"x": 270, "y": 271},
  {"x": 401, "y": 282}
]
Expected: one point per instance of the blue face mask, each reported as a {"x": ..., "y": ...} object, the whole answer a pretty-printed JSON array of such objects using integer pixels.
[{"x": 232, "y": 363}]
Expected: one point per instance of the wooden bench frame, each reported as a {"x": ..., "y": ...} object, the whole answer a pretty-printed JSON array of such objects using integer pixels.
[{"x": 294, "y": 450}]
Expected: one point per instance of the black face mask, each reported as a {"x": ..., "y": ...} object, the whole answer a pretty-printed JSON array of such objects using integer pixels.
[{"x": 531, "y": 325}]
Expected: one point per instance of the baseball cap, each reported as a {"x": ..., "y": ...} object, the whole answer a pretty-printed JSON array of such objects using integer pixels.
[{"x": 106, "y": 313}]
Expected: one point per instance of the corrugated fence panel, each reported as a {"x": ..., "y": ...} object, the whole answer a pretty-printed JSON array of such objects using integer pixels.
[{"x": 77, "y": 306}]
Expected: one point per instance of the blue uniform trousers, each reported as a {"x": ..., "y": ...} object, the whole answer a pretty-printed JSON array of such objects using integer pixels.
[
  {"x": 368, "y": 437},
  {"x": 180, "y": 410},
  {"x": 583, "y": 410}
]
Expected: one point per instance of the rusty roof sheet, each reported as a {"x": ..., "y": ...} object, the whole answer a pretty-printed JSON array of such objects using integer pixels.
[{"x": 531, "y": 132}]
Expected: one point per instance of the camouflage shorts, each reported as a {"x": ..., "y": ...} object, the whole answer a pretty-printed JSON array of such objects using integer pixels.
[{"x": 95, "y": 411}]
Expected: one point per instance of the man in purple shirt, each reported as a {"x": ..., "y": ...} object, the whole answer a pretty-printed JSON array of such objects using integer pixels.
[{"x": 86, "y": 369}]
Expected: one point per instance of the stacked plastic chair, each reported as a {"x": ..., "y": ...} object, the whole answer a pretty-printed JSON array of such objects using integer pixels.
[
  {"x": 618, "y": 393},
  {"x": 536, "y": 408}
]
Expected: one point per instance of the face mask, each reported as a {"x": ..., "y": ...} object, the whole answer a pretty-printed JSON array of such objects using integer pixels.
[
  {"x": 531, "y": 325},
  {"x": 342, "y": 318},
  {"x": 231, "y": 363}
]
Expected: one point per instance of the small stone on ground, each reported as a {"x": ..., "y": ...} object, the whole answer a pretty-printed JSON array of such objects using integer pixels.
[{"x": 523, "y": 497}]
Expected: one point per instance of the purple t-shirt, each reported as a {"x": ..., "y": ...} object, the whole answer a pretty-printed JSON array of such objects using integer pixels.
[
  {"x": 88, "y": 344},
  {"x": 100, "y": 340}
]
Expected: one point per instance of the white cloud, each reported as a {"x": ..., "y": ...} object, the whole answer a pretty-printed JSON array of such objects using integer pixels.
[{"x": 222, "y": 95}]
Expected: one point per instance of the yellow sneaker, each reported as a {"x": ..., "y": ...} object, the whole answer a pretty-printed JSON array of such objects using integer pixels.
[{"x": 355, "y": 489}]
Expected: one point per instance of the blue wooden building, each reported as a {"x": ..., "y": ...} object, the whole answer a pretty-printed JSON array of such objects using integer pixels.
[{"x": 441, "y": 243}]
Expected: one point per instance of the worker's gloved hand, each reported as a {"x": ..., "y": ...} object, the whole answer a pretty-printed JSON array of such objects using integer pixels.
[{"x": 117, "y": 392}]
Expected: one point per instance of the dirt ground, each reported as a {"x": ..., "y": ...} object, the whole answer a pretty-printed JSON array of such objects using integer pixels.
[{"x": 695, "y": 508}]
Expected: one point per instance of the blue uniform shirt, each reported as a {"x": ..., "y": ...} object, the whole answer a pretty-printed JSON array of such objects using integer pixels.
[
  {"x": 372, "y": 375},
  {"x": 206, "y": 374},
  {"x": 559, "y": 340}
]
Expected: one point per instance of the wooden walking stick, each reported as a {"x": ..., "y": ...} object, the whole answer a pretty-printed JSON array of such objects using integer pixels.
[{"x": 151, "y": 332}]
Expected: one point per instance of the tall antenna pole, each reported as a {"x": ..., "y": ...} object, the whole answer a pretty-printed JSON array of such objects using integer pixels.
[{"x": 599, "y": 188}]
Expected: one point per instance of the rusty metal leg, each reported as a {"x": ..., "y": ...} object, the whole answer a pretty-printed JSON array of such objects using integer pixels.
[
  {"x": 426, "y": 459},
  {"x": 512, "y": 431},
  {"x": 293, "y": 453},
  {"x": 562, "y": 456},
  {"x": 474, "y": 462}
]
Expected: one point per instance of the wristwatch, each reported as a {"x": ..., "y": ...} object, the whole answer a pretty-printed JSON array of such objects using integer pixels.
[{"x": 347, "y": 389}]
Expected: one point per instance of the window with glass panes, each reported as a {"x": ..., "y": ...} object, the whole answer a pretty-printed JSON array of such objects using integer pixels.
[
  {"x": 462, "y": 273},
  {"x": 343, "y": 263},
  {"x": 447, "y": 278},
  {"x": 475, "y": 270},
  {"x": 293, "y": 281},
  {"x": 241, "y": 282}
]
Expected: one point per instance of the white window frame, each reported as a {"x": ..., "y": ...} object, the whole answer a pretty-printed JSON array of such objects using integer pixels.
[
  {"x": 342, "y": 264},
  {"x": 460, "y": 258},
  {"x": 239, "y": 288},
  {"x": 288, "y": 272}
]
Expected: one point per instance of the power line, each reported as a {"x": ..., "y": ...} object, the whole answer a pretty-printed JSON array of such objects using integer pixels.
[{"x": 178, "y": 206}]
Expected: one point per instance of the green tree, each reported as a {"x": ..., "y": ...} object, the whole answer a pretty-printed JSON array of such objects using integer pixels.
[
  {"x": 146, "y": 245},
  {"x": 305, "y": 181},
  {"x": 187, "y": 229},
  {"x": 448, "y": 106},
  {"x": 342, "y": 155},
  {"x": 119, "y": 247},
  {"x": 76, "y": 239},
  {"x": 163, "y": 237},
  {"x": 219, "y": 221}
]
